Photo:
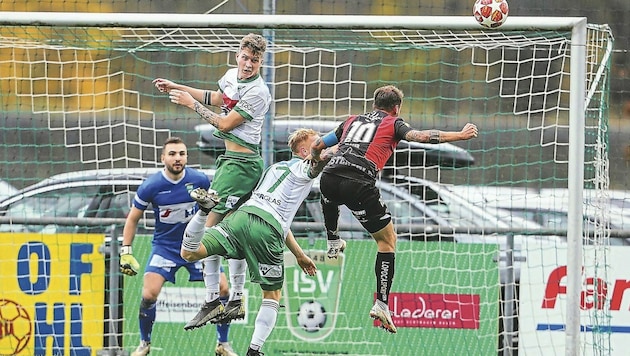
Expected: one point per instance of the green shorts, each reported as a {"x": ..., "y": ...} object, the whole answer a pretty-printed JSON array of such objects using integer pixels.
[
  {"x": 236, "y": 176},
  {"x": 242, "y": 235}
]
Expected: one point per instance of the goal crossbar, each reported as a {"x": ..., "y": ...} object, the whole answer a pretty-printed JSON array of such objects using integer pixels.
[{"x": 280, "y": 21}]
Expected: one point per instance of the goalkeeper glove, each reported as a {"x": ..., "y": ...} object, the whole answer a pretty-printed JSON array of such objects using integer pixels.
[{"x": 128, "y": 264}]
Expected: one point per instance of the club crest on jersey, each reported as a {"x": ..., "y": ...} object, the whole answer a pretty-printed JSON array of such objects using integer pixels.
[{"x": 189, "y": 187}]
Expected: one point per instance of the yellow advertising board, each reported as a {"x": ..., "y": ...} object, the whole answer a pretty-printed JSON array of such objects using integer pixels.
[{"x": 52, "y": 294}]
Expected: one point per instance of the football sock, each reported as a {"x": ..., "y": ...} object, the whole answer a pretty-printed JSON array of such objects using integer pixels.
[
  {"x": 331, "y": 217},
  {"x": 194, "y": 232},
  {"x": 211, "y": 275},
  {"x": 384, "y": 270},
  {"x": 223, "y": 329},
  {"x": 146, "y": 318},
  {"x": 237, "y": 277},
  {"x": 265, "y": 321}
]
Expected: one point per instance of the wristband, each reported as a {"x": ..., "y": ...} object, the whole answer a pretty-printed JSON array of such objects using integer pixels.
[
  {"x": 125, "y": 250},
  {"x": 434, "y": 136}
]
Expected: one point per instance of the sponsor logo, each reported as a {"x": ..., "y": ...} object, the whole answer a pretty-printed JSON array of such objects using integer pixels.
[
  {"x": 165, "y": 213},
  {"x": 271, "y": 271},
  {"x": 439, "y": 311},
  {"x": 267, "y": 198},
  {"x": 231, "y": 201},
  {"x": 596, "y": 294}
]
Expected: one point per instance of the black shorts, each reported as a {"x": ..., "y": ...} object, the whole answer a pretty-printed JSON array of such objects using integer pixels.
[{"x": 361, "y": 197}]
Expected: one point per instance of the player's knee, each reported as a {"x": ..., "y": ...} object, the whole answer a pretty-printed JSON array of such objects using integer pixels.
[
  {"x": 189, "y": 256},
  {"x": 274, "y": 294}
]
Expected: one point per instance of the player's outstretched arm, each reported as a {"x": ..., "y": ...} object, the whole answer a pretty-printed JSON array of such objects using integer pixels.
[
  {"x": 305, "y": 262},
  {"x": 165, "y": 86},
  {"x": 436, "y": 136},
  {"x": 222, "y": 123}
]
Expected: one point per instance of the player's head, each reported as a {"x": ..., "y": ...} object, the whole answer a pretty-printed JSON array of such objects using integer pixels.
[
  {"x": 250, "y": 55},
  {"x": 174, "y": 155},
  {"x": 300, "y": 141},
  {"x": 388, "y": 98}
]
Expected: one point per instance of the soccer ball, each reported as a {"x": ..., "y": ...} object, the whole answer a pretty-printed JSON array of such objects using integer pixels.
[
  {"x": 491, "y": 13},
  {"x": 312, "y": 316},
  {"x": 15, "y": 327}
]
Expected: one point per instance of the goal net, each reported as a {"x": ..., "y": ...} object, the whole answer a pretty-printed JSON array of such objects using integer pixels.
[{"x": 473, "y": 265}]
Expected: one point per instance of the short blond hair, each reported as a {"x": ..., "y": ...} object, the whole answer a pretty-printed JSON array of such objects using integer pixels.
[
  {"x": 298, "y": 136},
  {"x": 255, "y": 43}
]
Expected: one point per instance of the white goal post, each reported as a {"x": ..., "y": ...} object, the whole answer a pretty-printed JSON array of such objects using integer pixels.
[{"x": 454, "y": 32}]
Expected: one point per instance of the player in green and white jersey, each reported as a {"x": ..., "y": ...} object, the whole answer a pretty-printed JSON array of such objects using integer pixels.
[
  {"x": 244, "y": 99},
  {"x": 258, "y": 230}
]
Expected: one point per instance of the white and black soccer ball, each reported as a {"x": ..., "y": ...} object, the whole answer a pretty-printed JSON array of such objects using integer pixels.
[{"x": 312, "y": 316}]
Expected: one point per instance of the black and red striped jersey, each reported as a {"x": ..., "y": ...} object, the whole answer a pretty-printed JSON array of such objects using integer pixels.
[{"x": 366, "y": 142}]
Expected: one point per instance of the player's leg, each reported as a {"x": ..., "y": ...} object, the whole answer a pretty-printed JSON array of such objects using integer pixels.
[
  {"x": 191, "y": 249},
  {"x": 248, "y": 167},
  {"x": 335, "y": 245},
  {"x": 223, "y": 343},
  {"x": 235, "y": 309},
  {"x": 366, "y": 205},
  {"x": 151, "y": 287},
  {"x": 384, "y": 269},
  {"x": 212, "y": 307},
  {"x": 265, "y": 252},
  {"x": 265, "y": 321}
]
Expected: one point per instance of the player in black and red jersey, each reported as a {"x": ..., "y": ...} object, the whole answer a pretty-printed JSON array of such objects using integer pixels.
[{"x": 366, "y": 142}]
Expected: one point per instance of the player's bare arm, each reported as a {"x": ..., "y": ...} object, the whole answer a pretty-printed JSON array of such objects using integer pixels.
[
  {"x": 436, "y": 136},
  {"x": 316, "y": 149},
  {"x": 305, "y": 262},
  {"x": 165, "y": 86},
  {"x": 317, "y": 166},
  {"x": 222, "y": 123}
]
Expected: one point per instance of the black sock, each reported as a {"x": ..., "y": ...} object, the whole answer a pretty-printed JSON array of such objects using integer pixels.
[{"x": 384, "y": 270}]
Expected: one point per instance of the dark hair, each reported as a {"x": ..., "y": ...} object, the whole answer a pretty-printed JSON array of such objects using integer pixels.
[
  {"x": 386, "y": 97},
  {"x": 170, "y": 140}
]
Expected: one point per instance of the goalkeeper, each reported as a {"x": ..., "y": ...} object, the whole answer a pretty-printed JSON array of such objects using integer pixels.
[{"x": 167, "y": 192}]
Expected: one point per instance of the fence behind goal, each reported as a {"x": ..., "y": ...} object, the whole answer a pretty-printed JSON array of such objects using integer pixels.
[{"x": 77, "y": 95}]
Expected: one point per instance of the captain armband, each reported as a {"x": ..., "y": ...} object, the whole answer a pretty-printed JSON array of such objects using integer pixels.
[
  {"x": 207, "y": 97},
  {"x": 330, "y": 139},
  {"x": 434, "y": 136}
]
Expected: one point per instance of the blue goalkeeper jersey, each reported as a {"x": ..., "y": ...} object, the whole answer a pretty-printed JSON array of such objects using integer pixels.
[{"x": 172, "y": 205}]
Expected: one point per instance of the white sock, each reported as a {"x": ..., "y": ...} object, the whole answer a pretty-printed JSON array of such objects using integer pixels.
[
  {"x": 237, "y": 278},
  {"x": 211, "y": 275},
  {"x": 194, "y": 232},
  {"x": 265, "y": 321}
]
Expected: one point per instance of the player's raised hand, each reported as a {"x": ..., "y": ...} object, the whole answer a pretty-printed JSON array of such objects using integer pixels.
[
  {"x": 469, "y": 131},
  {"x": 181, "y": 97},
  {"x": 128, "y": 264},
  {"x": 307, "y": 265},
  {"x": 163, "y": 85}
]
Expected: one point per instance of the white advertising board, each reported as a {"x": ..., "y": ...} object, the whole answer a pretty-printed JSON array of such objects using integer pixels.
[{"x": 605, "y": 312}]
